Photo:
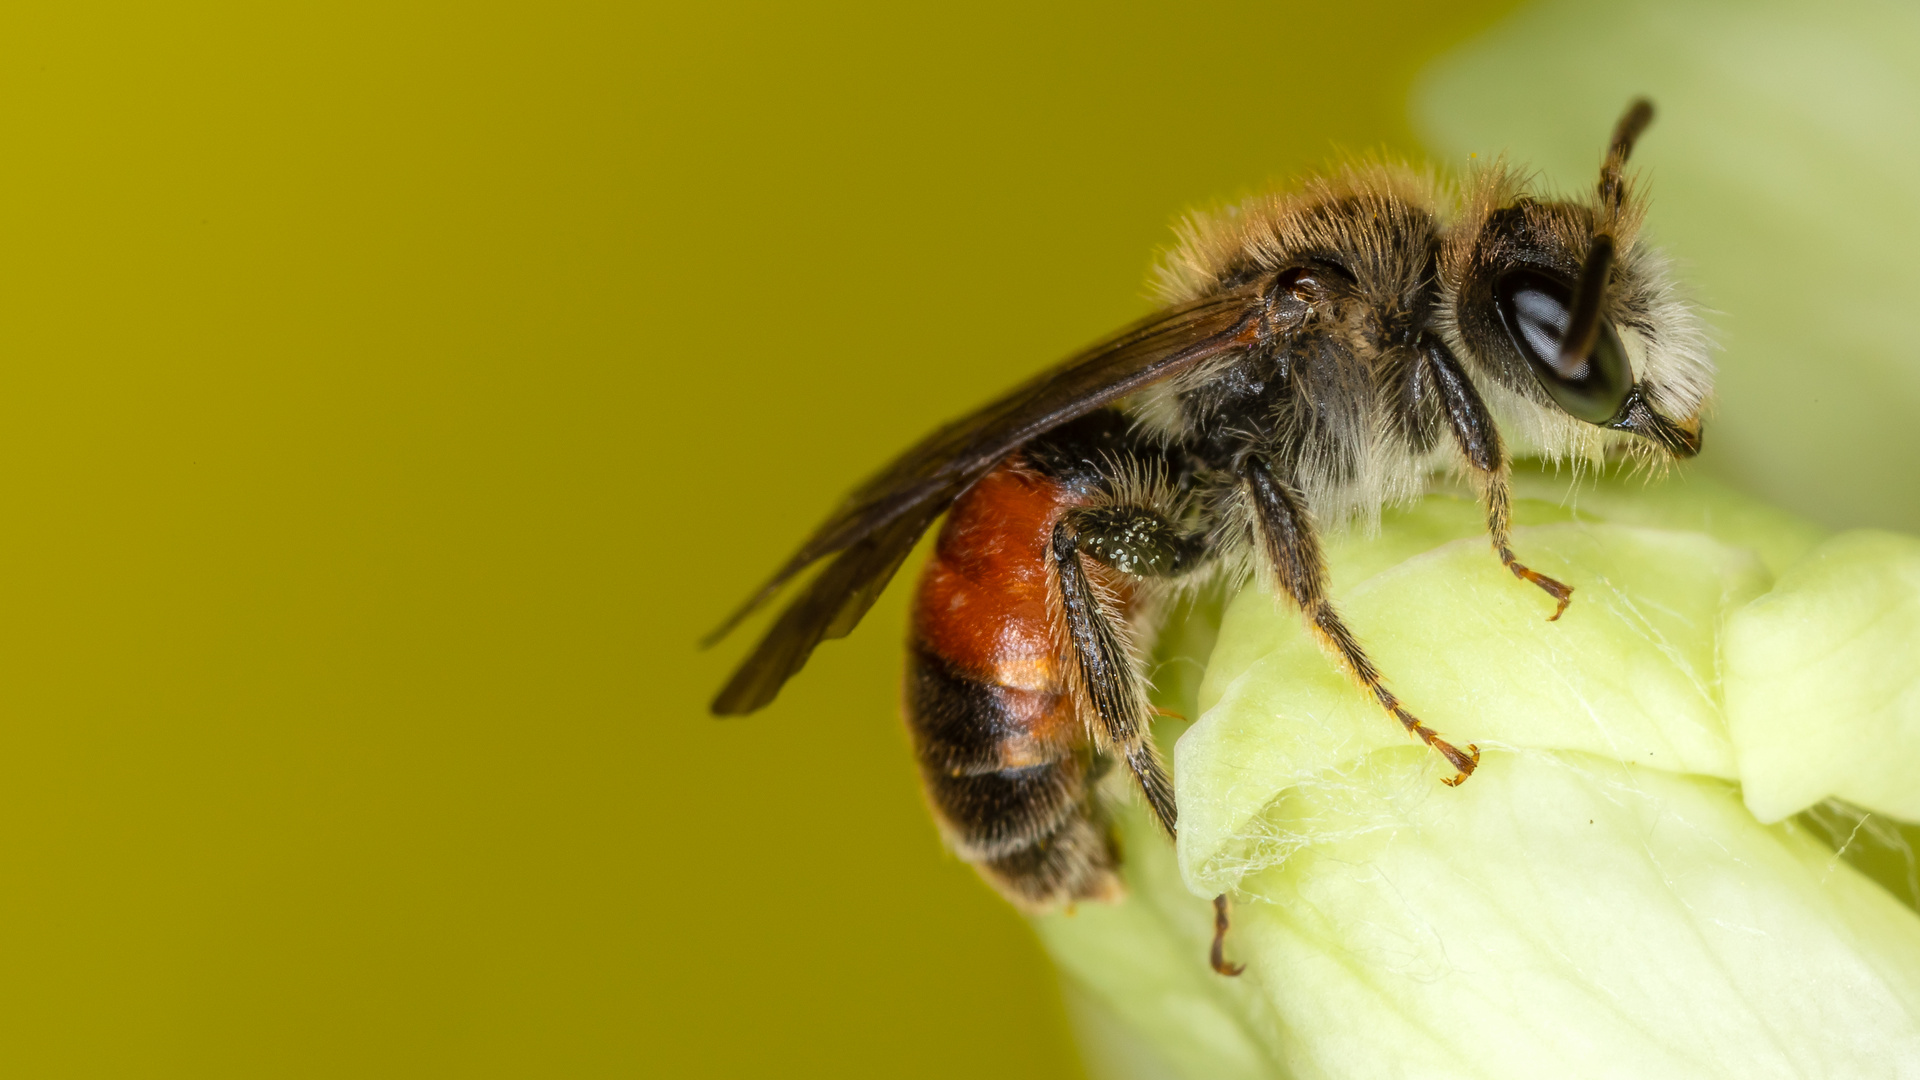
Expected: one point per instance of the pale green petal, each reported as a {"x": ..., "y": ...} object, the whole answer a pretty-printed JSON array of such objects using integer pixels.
[
  {"x": 1823, "y": 681},
  {"x": 1595, "y": 901},
  {"x": 1686, "y": 500},
  {"x": 1563, "y": 915},
  {"x": 1141, "y": 967},
  {"x": 1629, "y": 672}
]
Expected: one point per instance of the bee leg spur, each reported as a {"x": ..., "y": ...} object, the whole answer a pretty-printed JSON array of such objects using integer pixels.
[
  {"x": 1479, "y": 441},
  {"x": 1293, "y": 552},
  {"x": 1217, "y": 955},
  {"x": 1141, "y": 542}
]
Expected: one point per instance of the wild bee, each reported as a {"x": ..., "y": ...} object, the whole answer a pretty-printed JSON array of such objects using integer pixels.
[{"x": 1322, "y": 353}]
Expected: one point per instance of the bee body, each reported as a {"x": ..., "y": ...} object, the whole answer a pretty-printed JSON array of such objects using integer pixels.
[{"x": 1321, "y": 354}]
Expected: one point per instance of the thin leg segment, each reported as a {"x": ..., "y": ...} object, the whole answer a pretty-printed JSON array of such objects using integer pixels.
[
  {"x": 1293, "y": 551},
  {"x": 1479, "y": 441},
  {"x": 1217, "y": 955}
]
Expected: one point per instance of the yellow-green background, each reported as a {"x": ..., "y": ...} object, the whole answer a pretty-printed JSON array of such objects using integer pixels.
[{"x": 391, "y": 395}]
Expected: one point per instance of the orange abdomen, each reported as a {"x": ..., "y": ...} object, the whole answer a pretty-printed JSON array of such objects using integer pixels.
[
  {"x": 1003, "y": 749},
  {"x": 982, "y": 604}
]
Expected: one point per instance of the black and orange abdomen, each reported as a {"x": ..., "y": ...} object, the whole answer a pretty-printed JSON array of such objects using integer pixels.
[{"x": 1003, "y": 748}]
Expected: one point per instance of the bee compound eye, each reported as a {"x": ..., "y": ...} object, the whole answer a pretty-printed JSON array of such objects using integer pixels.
[{"x": 1534, "y": 310}]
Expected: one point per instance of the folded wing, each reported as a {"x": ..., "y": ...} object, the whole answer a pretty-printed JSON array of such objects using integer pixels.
[{"x": 873, "y": 530}]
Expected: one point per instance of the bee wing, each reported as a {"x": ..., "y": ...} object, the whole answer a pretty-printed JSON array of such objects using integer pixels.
[{"x": 877, "y": 525}]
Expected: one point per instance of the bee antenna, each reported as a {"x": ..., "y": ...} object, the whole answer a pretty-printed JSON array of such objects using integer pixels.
[
  {"x": 1583, "y": 324},
  {"x": 1625, "y": 134}
]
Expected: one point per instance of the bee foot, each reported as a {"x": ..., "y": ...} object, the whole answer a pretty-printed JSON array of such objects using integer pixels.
[
  {"x": 1465, "y": 763},
  {"x": 1560, "y": 591},
  {"x": 1217, "y": 955}
]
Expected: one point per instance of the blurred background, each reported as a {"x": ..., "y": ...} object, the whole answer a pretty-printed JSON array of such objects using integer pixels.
[{"x": 394, "y": 393}]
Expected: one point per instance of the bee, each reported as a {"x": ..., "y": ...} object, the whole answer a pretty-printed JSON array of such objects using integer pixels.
[{"x": 1321, "y": 354}]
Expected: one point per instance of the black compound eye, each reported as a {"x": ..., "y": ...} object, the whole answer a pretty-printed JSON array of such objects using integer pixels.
[{"x": 1534, "y": 310}]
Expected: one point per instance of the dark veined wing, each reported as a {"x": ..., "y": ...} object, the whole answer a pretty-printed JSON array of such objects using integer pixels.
[{"x": 876, "y": 527}]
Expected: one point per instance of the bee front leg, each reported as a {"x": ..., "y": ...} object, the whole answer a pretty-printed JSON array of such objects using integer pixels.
[
  {"x": 1293, "y": 551},
  {"x": 1479, "y": 442}
]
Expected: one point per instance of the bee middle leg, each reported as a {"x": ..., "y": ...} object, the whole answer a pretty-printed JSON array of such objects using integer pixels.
[
  {"x": 1479, "y": 442},
  {"x": 1293, "y": 551}
]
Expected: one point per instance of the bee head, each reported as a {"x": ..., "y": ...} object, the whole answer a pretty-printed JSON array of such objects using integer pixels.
[{"x": 1582, "y": 340}]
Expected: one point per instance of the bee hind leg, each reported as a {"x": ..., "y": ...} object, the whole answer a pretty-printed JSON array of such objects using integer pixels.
[
  {"x": 1141, "y": 542},
  {"x": 1217, "y": 954},
  {"x": 1138, "y": 541}
]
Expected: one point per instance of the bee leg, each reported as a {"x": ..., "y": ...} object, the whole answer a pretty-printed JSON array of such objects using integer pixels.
[
  {"x": 1479, "y": 442},
  {"x": 1294, "y": 553},
  {"x": 1141, "y": 542},
  {"x": 1217, "y": 955}
]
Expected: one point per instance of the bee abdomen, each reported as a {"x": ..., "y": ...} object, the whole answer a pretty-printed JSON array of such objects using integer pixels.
[
  {"x": 1003, "y": 752},
  {"x": 1019, "y": 809}
]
